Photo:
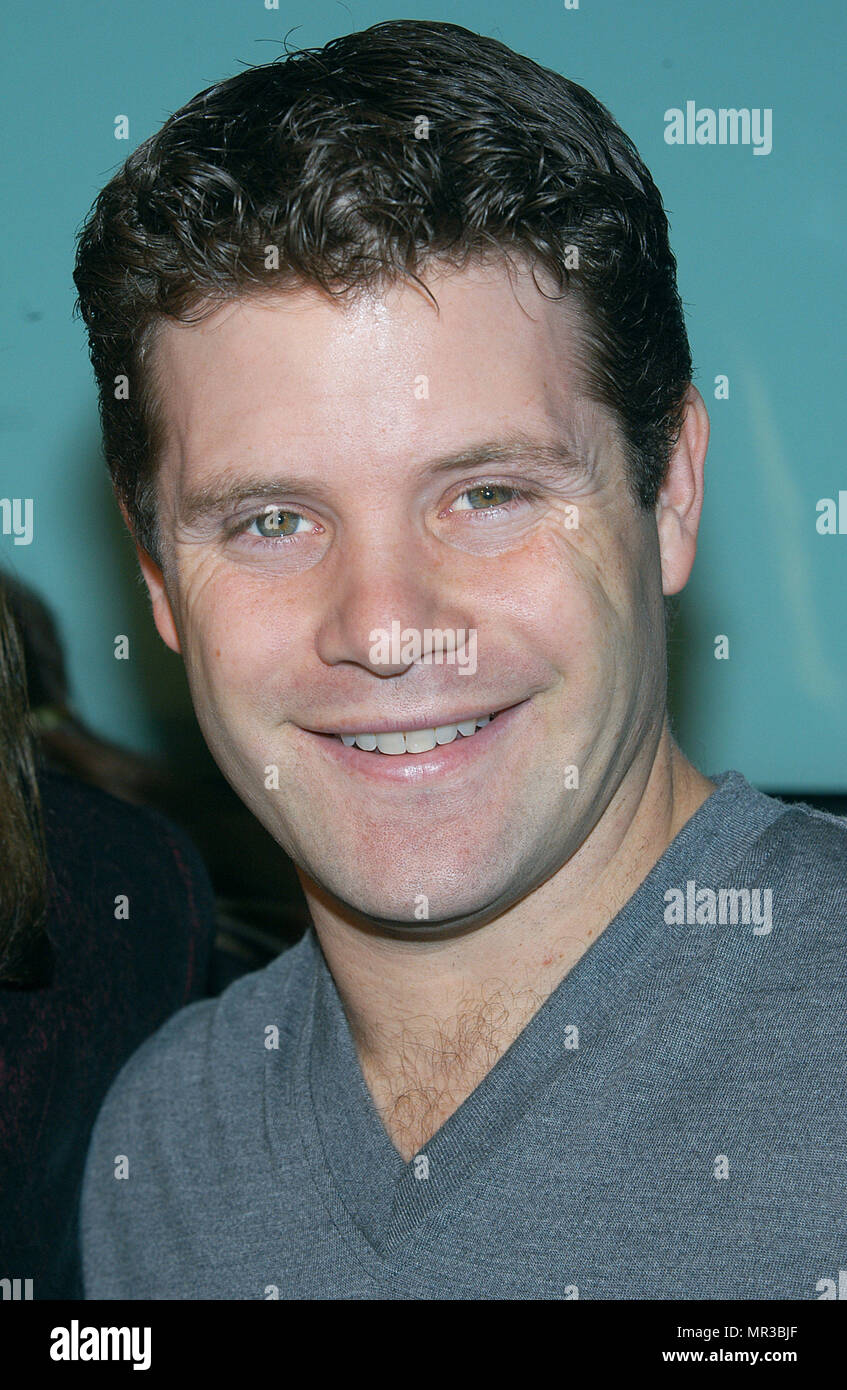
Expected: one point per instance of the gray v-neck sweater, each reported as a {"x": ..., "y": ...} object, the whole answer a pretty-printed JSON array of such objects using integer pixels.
[{"x": 669, "y": 1125}]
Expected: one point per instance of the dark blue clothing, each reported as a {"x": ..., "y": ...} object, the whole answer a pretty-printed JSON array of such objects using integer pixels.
[{"x": 115, "y": 980}]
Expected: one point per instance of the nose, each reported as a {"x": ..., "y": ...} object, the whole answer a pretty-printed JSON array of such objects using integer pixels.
[{"x": 381, "y": 583}]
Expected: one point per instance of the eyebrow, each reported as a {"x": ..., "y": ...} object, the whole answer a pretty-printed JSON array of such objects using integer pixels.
[{"x": 559, "y": 459}]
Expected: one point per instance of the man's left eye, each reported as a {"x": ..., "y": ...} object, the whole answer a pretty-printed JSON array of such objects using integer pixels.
[{"x": 484, "y": 495}]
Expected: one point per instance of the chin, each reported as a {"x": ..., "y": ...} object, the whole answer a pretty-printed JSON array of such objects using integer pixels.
[{"x": 411, "y": 911}]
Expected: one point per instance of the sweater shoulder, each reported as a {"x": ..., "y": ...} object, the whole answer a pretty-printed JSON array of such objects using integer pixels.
[
  {"x": 804, "y": 853},
  {"x": 208, "y": 1050}
]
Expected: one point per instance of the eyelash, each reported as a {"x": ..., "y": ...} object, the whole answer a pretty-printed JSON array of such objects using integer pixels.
[
  {"x": 519, "y": 494},
  {"x": 240, "y": 528}
]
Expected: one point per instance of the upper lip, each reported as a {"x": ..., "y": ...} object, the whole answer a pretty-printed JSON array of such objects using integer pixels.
[{"x": 410, "y": 723}]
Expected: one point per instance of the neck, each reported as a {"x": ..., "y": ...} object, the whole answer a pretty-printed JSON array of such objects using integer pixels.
[{"x": 430, "y": 1018}]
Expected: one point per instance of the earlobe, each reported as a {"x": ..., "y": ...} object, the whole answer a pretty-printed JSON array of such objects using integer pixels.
[
  {"x": 680, "y": 502},
  {"x": 154, "y": 579},
  {"x": 162, "y": 612}
]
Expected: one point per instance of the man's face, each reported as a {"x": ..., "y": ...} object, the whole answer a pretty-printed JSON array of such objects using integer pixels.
[{"x": 332, "y": 470}]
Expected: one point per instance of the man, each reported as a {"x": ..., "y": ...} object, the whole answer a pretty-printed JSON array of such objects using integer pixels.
[{"x": 412, "y": 456}]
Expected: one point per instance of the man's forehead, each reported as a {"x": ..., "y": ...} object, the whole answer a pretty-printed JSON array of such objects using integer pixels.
[
  {"x": 388, "y": 367},
  {"x": 445, "y": 303}
]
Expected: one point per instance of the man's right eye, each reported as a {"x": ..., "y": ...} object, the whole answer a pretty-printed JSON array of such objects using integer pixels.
[{"x": 274, "y": 522}]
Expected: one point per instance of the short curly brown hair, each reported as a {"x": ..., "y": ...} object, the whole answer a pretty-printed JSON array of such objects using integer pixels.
[{"x": 319, "y": 155}]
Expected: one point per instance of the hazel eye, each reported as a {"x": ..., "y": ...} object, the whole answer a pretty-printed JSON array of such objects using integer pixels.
[
  {"x": 275, "y": 521},
  {"x": 484, "y": 495}
]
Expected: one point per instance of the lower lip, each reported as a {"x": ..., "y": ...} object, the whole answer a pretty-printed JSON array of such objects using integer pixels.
[{"x": 412, "y": 768}]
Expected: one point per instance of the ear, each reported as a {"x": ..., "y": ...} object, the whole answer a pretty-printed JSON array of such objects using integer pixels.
[
  {"x": 680, "y": 499},
  {"x": 163, "y": 615}
]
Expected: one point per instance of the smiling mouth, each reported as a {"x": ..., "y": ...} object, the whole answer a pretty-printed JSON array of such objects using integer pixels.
[{"x": 415, "y": 740}]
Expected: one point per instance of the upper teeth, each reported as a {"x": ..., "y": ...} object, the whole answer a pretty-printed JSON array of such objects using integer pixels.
[{"x": 417, "y": 740}]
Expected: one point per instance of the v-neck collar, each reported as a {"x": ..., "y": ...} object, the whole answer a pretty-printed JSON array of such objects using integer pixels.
[{"x": 372, "y": 1194}]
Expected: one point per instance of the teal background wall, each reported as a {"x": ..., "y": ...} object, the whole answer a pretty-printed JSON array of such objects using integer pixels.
[{"x": 759, "y": 245}]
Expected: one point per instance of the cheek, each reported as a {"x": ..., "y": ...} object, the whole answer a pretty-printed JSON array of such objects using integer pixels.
[
  {"x": 234, "y": 644},
  {"x": 565, "y": 603}
]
